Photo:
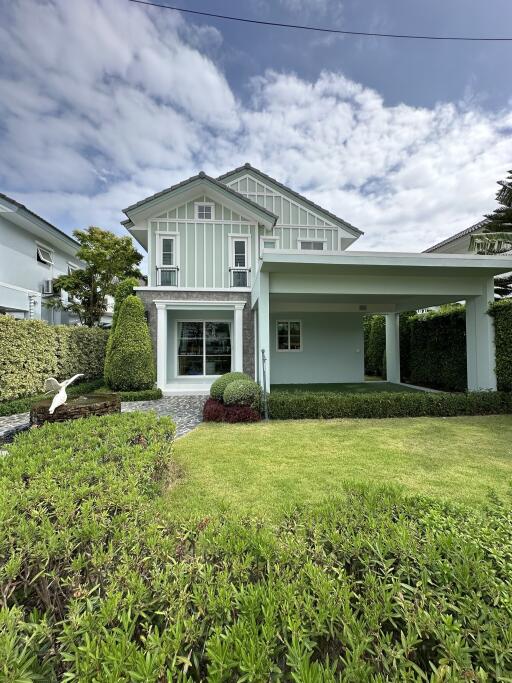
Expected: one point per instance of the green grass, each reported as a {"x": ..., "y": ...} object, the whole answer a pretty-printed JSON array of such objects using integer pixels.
[
  {"x": 356, "y": 388},
  {"x": 263, "y": 468}
]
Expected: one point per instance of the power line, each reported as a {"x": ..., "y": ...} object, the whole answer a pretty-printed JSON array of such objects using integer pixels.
[{"x": 321, "y": 29}]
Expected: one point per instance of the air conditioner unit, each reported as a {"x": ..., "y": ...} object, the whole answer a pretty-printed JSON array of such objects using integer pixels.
[{"x": 48, "y": 287}]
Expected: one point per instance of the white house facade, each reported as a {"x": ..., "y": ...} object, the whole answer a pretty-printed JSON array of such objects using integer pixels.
[{"x": 247, "y": 274}]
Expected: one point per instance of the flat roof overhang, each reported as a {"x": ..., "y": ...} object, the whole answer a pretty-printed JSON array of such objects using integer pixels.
[
  {"x": 376, "y": 282},
  {"x": 398, "y": 263}
]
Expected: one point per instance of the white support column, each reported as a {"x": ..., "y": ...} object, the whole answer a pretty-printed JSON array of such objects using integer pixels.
[
  {"x": 161, "y": 345},
  {"x": 393, "y": 348},
  {"x": 480, "y": 348},
  {"x": 264, "y": 328},
  {"x": 238, "y": 356}
]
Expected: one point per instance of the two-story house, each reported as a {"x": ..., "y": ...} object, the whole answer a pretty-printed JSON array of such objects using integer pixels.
[
  {"x": 32, "y": 253},
  {"x": 247, "y": 274}
]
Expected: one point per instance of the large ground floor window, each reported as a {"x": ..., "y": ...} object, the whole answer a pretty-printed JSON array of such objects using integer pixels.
[{"x": 204, "y": 347}]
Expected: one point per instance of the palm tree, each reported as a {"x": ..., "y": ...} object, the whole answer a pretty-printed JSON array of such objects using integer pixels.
[{"x": 496, "y": 237}]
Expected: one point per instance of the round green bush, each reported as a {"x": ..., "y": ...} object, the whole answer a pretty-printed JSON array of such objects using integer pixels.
[
  {"x": 218, "y": 387},
  {"x": 243, "y": 392},
  {"x": 132, "y": 367}
]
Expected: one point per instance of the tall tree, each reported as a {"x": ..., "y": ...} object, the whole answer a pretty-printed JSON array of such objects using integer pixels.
[
  {"x": 496, "y": 237},
  {"x": 108, "y": 259}
]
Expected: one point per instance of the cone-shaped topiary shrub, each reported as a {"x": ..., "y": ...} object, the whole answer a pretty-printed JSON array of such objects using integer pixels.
[
  {"x": 131, "y": 356},
  {"x": 123, "y": 290},
  {"x": 243, "y": 392},
  {"x": 218, "y": 387}
]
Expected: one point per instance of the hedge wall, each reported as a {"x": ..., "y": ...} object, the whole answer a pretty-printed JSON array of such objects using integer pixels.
[
  {"x": 433, "y": 347},
  {"x": 32, "y": 350},
  {"x": 501, "y": 311},
  {"x": 436, "y": 350}
]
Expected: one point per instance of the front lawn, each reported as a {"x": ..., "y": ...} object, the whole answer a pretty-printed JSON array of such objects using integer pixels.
[
  {"x": 264, "y": 467},
  {"x": 367, "y": 387}
]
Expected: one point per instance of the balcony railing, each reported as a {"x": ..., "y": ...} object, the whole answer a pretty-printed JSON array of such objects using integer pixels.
[
  {"x": 239, "y": 277},
  {"x": 167, "y": 276}
]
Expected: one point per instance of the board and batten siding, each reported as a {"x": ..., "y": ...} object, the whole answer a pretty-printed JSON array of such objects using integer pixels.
[
  {"x": 296, "y": 221},
  {"x": 204, "y": 247}
]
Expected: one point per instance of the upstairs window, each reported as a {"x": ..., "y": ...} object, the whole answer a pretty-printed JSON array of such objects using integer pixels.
[
  {"x": 289, "y": 335},
  {"x": 167, "y": 267},
  {"x": 311, "y": 245},
  {"x": 204, "y": 212},
  {"x": 239, "y": 262},
  {"x": 44, "y": 255}
]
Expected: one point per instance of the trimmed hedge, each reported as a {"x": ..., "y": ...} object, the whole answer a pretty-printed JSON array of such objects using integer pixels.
[
  {"x": 243, "y": 392},
  {"x": 312, "y": 405},
  {"x": 32, "y": 350},
  {"x": 220, "y": 384},
  {"x": 501, "y": 311},
  {"x": 132, "y": 365},
  {"x": 142, "y": 395},
  {"x": 437, "y": 349},
  {"x": 123, "y": 289},
  {"x": 375, "y": 346},
  {"x": 216, "y": 411}
]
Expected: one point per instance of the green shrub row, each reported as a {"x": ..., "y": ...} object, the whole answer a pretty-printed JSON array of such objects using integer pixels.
[
  {"x": 32, "y": 350},
  {"x": 99, "y": 583},
  {"x": 142, "y": 395},
  {"x": 312, "y": 405}
]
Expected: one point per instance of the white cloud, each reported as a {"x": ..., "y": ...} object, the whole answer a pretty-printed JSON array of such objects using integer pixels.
[{"x": 103, "y": 103}]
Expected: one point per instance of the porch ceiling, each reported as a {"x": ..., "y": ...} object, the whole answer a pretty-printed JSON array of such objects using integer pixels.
[{"x": 355, "y": 303}]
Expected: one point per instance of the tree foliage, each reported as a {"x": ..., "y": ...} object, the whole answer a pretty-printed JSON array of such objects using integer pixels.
[
  {"x": 108, "y": 258},
  {"x": 496, "y": 237}
]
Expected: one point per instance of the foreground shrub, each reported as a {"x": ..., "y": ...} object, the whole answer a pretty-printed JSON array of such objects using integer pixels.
[
  {"x": 218, "y": 387},
  {"x": 32, "y": 350},
  {"x": 132, "y": 366},
  {"x": 216, "y": 411},
  {"x": 311, "y": 405},
  {"x": 100, "y": 584},
  {"x": 243, "y": 392}
]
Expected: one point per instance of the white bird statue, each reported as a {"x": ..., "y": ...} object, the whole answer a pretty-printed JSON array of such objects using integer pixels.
[{"x": 60, "y": 397}]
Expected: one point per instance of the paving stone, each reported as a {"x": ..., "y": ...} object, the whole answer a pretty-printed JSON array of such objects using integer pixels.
[{"x": 186, "y": 411}]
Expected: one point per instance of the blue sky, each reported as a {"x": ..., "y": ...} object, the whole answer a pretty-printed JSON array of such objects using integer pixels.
[{"x": 103, "y": 102}]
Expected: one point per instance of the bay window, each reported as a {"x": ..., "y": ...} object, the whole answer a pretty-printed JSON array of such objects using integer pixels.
[{"x": 204, "y": 348}]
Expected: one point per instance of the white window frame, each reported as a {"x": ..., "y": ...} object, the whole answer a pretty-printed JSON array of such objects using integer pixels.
[
  {"x": 233, "y": 237},
  {"x": 39, "y": 256},
  {"x": 160, "y": 236},
  {"x": 288, "y": 322},
  {"x": 196, "y": 211},
  {"x": 275, "y": 240},
  {"x": 203, "y": 321},
  {"x": 301, "y": 240}
]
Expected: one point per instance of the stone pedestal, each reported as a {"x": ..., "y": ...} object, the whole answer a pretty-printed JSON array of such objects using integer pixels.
[{"x": 75, "y": 408}]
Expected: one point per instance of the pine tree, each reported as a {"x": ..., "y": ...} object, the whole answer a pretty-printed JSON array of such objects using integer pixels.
[{"x": 496, "y": 237}]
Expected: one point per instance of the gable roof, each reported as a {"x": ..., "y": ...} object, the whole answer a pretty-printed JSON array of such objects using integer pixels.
[
  {"x": 22, "y": 209},
  {"x": 253, "y": 206},
  {"x": 468, "y": 231},
  {"x": 247, "y": 167}
]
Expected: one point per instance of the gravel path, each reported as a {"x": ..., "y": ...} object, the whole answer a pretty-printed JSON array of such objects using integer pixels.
[{"x": 187, "y": 412}]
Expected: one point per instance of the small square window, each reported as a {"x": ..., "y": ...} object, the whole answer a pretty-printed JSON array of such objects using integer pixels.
[
  {"x": 289, "y": 335},
  {"x": 204, "y": 212},
  {"x": 44, "y": 255}
]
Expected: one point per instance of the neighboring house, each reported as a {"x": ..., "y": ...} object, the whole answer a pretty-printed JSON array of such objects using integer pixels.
[
  {"x": 241, "y": 266},
  {"x": 458, "y": 243},
  {"x": 33, "y": 253}
]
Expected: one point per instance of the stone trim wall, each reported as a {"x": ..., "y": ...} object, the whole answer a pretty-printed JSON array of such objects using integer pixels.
[{"x": 149, "y": 296}]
